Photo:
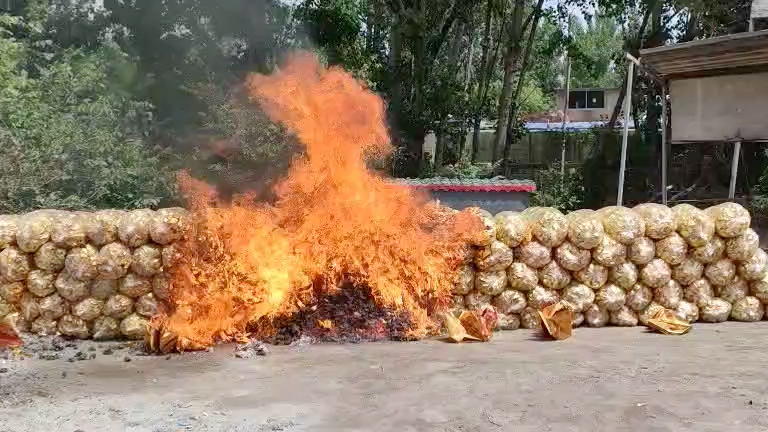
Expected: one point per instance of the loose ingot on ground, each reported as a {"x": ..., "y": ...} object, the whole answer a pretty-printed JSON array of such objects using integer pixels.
[
  {"x": 160, "y": 341},
  {"x": 476, "y": 325},
  {"x": 665, "y": 321},
  {"x": 557, "y": 320},
  {"x": 456, "y": 331},
  {"x": 9, "y": 335}
]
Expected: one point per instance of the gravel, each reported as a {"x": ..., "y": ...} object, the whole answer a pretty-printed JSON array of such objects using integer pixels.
[{"x": 608, "y": 379}]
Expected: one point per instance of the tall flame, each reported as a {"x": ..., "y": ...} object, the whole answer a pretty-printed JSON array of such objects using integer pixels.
[{"x": 335, "y": 223}]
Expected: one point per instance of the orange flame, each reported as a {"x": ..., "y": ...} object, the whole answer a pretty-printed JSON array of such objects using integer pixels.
[{"x": 334, "y": 222}]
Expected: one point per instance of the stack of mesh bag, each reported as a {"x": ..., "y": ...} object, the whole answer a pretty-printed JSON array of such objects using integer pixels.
[
  {"x": 86, "y": 275},
  {"x": 618, "y": 266}
]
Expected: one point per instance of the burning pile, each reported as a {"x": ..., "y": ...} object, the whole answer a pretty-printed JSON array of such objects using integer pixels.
[
  {"x": 617, "y": 265},
  {"x": 342, "y": 252}
]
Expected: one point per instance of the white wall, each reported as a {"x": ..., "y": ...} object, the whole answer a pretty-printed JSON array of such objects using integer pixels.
[{"x": 720, "y": 108}]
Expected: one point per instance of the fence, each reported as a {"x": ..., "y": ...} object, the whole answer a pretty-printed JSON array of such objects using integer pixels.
[{"x": 696, "y": 172}]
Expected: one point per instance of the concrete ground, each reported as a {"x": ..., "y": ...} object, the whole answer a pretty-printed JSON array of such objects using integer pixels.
[{"x": 609, "y": 379}]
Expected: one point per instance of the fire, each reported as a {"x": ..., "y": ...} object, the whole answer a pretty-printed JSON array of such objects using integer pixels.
[{"x": 337, "y": 234}]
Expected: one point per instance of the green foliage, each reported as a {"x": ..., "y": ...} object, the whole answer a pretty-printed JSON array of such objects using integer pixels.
[
  {"x": 549, "y": 45},
  {"x": 533, "y": 98},
  {"x": 464, "y": 170},
  {"x": 565, "y": 193},
  {"x": 760, "y": 201},
  {"x": 597, "y": 48},
  {"x": 68, "y": 137},
  {"x": 179, "y": 44},
  {"x": 334, "y": 25}
]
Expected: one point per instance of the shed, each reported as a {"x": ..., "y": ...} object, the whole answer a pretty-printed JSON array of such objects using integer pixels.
[{"x": 718, "y": 91}]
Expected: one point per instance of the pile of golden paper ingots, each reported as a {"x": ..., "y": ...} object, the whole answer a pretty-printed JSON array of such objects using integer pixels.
[
  {"x": 615, "y": 266},
  {"x": 84, "y": 275}
]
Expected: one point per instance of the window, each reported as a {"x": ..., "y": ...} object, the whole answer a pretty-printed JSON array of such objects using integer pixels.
[
  {"x": 759, "y": 24},
  {"x": 595, "y": 99},
  {"x": 586, "y": 99},
  {"x": 577, "y": 99}
]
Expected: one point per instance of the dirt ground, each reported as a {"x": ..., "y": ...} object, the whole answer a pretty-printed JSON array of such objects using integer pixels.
[{"x": 609, "y": 379}]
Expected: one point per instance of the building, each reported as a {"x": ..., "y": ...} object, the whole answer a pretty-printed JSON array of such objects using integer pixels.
[
  {"x": 588, "y": 104},
  {"x": 758, "y": 17},
  {"x": 718, "y": 92}
]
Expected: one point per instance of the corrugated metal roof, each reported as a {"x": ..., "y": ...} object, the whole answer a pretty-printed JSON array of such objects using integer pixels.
[
  {"x": 714, "y": 56},
  {"x": 571, "y": 126},
  {"x": 468, "y": 185}
]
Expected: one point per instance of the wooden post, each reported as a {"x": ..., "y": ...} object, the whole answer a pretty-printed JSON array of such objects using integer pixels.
[
  {"x": 625, "y": 132},
  {"x": 734, "y": 170},
  {"x": 565, "y": 115},
  {"x": 664, "y": 143}
]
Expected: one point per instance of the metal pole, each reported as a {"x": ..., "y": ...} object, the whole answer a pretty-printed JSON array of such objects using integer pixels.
[
  {"x": 664, "y": 143},
  {"x": 734, "y": 170},
  {"x": 565, "y": 114},
  {"x": 625, "y": 133}
]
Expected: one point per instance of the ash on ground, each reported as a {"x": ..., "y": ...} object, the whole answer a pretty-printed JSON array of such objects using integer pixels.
[
  {"x": 253, "y": 347},
  {"x": 60, "y": 348},
  {"x": 350, "y": 315}
]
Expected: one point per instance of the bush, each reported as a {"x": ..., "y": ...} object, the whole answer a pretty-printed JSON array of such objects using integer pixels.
[
  {"x": 70, "y": 136},
  {"x": 565, "y": 193}
]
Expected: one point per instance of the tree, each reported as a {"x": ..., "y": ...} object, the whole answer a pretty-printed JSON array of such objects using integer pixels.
[
  {"x": 70, "y": 136},
  {"x": 418, "y": 34},
  {"x": 518, "y": 47},
  {"x": 550, "y": 43},
  {"x": 647, "y": 24},
  {"x": 178, "y": 43},
  {"x": 596, "y": 49}
]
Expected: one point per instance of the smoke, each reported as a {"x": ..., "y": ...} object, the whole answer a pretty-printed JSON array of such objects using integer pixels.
[{"x": 235, "y": 147}]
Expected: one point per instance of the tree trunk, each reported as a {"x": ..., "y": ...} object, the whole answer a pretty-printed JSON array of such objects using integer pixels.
[
  {"x": 505, "y": 100},
  {"x": 418, "y": 130},
  {"x": 470, "y": 57},
  {"x": 533, "y": 20},
  {"x": 512, "y": 59},
  {"x": 395, "y": 106},
  {"x": 425, "y": 46},
  {"x": 462, "y": 144},
  {"x": 467, "y": 82},
  {"x": 652, "y": 91},
  {"x": 634, "y": 48},
  {"x": 439, "y": 145},
  {"x": 475, "y": 137},
  {"x": 482, "y": 81}
]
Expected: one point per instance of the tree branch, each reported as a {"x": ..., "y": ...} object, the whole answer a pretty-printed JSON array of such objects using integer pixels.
[
  {"x": 634, "y": 48},
  {"x": 535, "y": 14},
  {"x": 436, "y": 42},
  {"x": 514, "y": 111}
]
